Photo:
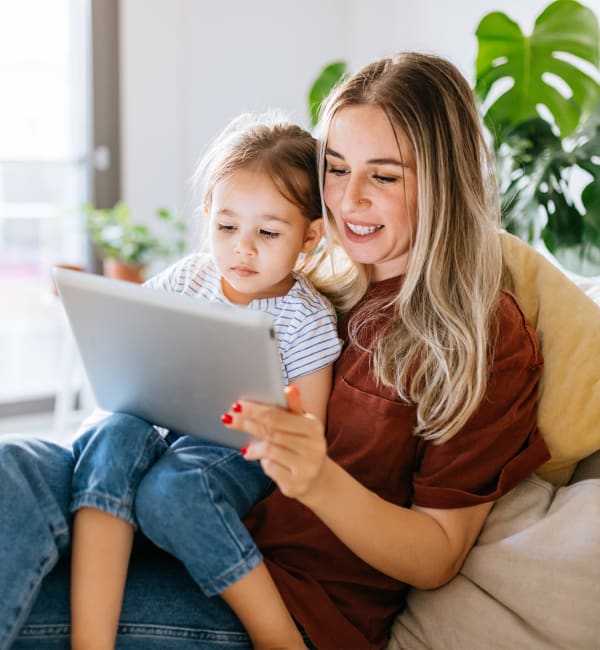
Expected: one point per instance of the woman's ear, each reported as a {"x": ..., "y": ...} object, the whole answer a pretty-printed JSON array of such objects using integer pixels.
[{"x": 312, "y": 235}]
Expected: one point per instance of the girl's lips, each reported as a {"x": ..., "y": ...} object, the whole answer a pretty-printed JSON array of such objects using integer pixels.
[{"x": 243, "y": 272}]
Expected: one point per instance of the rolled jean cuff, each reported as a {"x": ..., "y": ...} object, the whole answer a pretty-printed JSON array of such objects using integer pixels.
[
  {"x": 106, "y": 503},
  {"x": 233, "y": 574}
]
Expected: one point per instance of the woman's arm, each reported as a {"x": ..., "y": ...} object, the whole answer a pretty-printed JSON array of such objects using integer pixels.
[
  {"x": 420, "y": 546},
  {"x": 423, "y": 547}
]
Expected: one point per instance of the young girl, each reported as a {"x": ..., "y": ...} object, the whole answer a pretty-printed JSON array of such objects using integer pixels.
[{"x": 261, "y": 196}]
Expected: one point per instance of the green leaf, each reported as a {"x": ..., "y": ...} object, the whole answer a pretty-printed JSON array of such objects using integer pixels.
[
  {"x": 322, "y": 85},
  {"x": 590, "y": 198},
  {"x": 117, "y": 236},
  {"x": 505, "y": 53}
]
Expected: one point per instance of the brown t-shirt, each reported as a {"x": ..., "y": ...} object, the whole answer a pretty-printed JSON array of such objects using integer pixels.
[{"x": 339, "y": 600}]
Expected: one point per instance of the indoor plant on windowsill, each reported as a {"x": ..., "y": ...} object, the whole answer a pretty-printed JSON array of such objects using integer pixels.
[{"x": 127, "y": 247}]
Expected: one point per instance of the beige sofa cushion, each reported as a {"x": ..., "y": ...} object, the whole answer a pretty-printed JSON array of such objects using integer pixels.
[
  {"x": 568, "y": 325},
  {"x": 531, "y": 581}
]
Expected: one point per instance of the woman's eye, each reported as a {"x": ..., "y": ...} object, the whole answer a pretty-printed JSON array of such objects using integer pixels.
[
  {"x": 268, "y": 234},
  {"x": 384, "y": 179},
  {"x": 225, "y": 227}
]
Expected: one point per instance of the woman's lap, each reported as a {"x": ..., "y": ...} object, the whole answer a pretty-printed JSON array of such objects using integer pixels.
[
  {"x": 162, "y": 609},
  {"x": 35, "y": 489}
]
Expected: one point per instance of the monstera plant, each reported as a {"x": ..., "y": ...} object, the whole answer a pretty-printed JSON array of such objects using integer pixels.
[
  {"x": 540, "y": 99},
  {"x": 328, "y": 77}
]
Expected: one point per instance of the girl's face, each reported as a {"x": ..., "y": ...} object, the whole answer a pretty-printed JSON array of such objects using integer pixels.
[
  {"x": 256, "y": 236},
  {"x": 371, "y": 188}
]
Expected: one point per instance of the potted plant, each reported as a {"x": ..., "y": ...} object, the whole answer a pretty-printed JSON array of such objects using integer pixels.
[
  {"x": 126, "y": 246},
  {"x": 548, "y": 158},
  {"x": 542, "y": 109}
]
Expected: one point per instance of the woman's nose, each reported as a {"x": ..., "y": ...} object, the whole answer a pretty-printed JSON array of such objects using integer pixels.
[{"x": 354, "y": 196}]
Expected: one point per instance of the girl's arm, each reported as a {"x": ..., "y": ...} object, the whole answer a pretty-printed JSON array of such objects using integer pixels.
[
  {"x": 315, "y": 389},
  {"x": 423, "y": 547}
]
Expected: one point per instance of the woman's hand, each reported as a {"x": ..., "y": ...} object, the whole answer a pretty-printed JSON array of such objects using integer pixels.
[{"x": 290, "y": 445}]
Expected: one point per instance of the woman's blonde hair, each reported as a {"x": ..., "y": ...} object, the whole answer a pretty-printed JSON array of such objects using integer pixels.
[
  {"x": 434, "y": 350},
  {"x": 266, "y": 143}
]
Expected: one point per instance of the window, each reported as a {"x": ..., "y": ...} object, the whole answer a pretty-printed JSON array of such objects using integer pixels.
[{"x": 44, "y": 181}]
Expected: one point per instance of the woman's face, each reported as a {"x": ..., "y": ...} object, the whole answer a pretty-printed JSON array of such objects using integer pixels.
[{"x": 371, "y": 188}]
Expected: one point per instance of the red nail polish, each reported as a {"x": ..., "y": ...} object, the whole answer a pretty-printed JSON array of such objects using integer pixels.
[
  {"x": 237, "y": 408},
  {"x": 244, "y": 450},
  {"x": 226, "y": 418}
]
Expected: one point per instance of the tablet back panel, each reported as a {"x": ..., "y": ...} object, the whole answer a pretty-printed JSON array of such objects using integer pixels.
[{"x": 173, "y": 360}]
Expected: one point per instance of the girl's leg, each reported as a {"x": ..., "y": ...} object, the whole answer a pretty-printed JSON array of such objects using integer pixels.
[
  {"x": 191, "y": 503},
  {"x": 35, "y": 491},
  {"x": 110, "y": 460}
]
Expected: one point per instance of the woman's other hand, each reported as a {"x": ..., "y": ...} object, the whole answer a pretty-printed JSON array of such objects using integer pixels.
[{"x": 290, "y": 444}]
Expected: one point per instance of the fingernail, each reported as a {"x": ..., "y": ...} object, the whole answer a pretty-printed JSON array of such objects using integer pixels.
[
  {"x": 244, "y": 450},
  {"x": 237, "y": 408},
  {"x": 226, "y": 418}
]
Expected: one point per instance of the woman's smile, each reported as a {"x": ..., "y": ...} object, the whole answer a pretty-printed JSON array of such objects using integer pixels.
[{"x": 361, "y": 230}]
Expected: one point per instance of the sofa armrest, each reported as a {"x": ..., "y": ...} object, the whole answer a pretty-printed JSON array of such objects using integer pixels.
[{"x": 587, "y": 468}]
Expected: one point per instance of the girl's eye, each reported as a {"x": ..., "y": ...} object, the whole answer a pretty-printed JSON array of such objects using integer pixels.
[
  {"x": 337, "y": 171},
  {"x": 384, "y": 179},
  {"x": 225, "y": 227},
  {"x": 268, "y": 234}
]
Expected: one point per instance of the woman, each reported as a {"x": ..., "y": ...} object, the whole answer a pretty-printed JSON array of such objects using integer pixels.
[{"x": 432, "y": 415}]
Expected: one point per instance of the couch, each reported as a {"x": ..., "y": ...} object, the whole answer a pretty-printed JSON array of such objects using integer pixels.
[{"x": 532, "y": 579}]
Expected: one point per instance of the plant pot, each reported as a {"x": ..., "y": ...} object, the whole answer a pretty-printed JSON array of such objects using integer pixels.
[{"x": 120, "y": 271}]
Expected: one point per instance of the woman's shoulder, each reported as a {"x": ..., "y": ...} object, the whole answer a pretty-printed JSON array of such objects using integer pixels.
[{"x": 515, "y": 339}]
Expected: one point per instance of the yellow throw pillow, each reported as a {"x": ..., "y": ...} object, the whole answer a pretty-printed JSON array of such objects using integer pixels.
[{"x": 568, "y": 327}]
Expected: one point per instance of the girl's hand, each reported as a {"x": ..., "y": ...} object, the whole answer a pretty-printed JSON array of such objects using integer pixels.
[{"x": 291, "y": 445}]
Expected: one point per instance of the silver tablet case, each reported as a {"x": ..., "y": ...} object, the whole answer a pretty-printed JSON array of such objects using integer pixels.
[{"x": 176, "y": 361}]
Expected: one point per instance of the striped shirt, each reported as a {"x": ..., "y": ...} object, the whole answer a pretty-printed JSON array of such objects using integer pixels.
[{"x": 304, "y": 321}]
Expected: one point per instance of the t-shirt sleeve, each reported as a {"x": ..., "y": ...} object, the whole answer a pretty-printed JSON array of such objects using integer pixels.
[
  {"x": 500, "y": 444},
  {"x": 314, "y": 345},
  {"x": 167, "y": 279}
]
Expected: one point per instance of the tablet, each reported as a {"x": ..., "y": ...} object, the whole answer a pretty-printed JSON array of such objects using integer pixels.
[{"x": 177, "y": 361}]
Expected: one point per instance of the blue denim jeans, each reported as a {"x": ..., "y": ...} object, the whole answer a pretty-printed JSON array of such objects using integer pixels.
[{"x": 187, "y": 497}]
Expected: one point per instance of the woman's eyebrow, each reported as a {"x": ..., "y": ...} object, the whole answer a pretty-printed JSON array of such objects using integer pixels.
[
  {"x": 371, "y": 161},
  {"x": 385, "y": 161},
  {"x": 332, "y": 152}
]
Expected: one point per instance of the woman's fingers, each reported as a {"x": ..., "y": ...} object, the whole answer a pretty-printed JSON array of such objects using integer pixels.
[
  {"x": 290, "y": 445},
  {"x": 294, "y": 402},
  {"x": 262, "y": 420}
]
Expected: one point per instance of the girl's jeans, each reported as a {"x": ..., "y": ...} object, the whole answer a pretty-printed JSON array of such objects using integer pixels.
[{"x": 187, "y": 497}]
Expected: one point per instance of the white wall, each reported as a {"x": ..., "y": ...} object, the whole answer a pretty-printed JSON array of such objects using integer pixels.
[{"x": 189, "y": 66}]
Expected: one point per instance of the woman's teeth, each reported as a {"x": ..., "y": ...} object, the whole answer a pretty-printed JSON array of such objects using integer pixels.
[{"x": 362, "y": 230}]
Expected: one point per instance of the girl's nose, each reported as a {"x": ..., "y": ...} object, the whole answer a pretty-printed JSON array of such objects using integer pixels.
[{"x": 245, "y": 246}]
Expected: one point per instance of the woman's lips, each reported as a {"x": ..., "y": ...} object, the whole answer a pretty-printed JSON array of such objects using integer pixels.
[{"x": 361, "y": 232}]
